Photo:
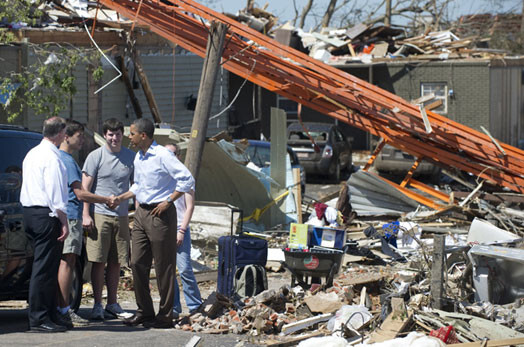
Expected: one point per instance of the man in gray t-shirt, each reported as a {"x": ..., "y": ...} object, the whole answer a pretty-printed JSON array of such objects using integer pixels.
[{"x": 108, "y": 171}]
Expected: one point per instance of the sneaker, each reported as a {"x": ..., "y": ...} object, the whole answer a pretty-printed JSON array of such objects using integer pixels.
[
  {"x": 64, "y": 320},
  {"x": 97, "y": 313},
  {"x": 116, "y": 311},
  {"x": 76, "y": 319}
]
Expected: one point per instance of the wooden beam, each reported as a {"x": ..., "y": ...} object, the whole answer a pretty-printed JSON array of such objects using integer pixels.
[
  {"x": 437, "y": 271},
  {"x": 297, "y": 191},
  {"x": 144, "y": 81},
  {"x": 129, "y": 86},
  {"x": 377, "y": 150},
  {"x": 410, "y": 172},
  {"x": 394, "y": 323}
]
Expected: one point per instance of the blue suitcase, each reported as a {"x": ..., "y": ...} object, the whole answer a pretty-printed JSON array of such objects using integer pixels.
[{"x": 235, "y": 252}]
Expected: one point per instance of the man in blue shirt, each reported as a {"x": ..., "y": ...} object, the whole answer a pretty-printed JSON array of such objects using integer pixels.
[
  {"x": 160, "y": 178},
  {"x": 73, "y": 141}
]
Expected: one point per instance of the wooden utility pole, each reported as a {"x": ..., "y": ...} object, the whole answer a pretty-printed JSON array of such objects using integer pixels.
[
  {"x": 148, "y": 92},
  {"x": 127, "y": 81},
  {"x": 437, "y": 271},
  {"x": 215, "y": 46}
]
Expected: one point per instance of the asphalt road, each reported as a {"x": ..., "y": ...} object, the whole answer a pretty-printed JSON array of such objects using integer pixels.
[{"x": 13, "y": 326}]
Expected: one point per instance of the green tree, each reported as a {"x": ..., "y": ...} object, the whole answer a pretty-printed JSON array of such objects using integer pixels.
[{"x": 47, "y": 85}]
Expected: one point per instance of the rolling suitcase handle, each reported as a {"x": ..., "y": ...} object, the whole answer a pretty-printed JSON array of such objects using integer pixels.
[{"x": 241, "y": 217}]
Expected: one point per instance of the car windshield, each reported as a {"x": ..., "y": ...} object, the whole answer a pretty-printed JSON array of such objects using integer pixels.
[
  {"x": 12, "y": 159},
  {"x": 302, "y": 135},
  {"x": 261, "y": 155}
]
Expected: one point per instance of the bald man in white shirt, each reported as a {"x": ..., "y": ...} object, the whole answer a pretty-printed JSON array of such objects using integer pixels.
[{"x": 44, "y": 200}]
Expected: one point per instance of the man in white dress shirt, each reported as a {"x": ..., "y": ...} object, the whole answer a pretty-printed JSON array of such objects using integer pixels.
[
  {"x": 160, "y": 179},
  {"x": 44, "y": 198}
]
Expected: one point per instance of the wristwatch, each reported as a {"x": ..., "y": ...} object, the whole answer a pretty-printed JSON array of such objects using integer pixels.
[{"x": 169, "y": 199}]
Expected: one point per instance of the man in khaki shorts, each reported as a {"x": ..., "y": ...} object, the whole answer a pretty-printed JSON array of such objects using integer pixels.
[
  {"x": 73, "y": 141},
  {"x": 108, "y": 171}
]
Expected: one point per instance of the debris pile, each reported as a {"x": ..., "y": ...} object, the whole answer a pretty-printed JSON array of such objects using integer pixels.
[{"x": 415, "y": 276}]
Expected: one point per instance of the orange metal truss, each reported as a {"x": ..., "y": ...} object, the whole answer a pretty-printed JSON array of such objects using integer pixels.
[{"x": 321, "y": 87}]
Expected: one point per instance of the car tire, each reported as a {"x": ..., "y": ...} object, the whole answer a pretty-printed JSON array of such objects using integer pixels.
[
  {"x": 75, "y": 296},
  {"x": 335, "y": 173}
]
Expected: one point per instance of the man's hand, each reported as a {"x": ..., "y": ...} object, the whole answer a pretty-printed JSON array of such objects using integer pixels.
[
  {"x": 113, "y": 202},
  {"x": 64, "y": 231},
  {"x": 161, "y": 207},
  {"x": 87, "y": 222},
  {"x": 180, "y": 237}
]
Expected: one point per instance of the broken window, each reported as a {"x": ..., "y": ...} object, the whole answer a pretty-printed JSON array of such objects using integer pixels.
[{"x": 440, "y": 91}]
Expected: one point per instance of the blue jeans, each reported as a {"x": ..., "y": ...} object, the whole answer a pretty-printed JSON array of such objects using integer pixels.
[{"x": 189, "y": 283}]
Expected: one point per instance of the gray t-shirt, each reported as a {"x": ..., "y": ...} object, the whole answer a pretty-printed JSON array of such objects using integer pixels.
[{"x": 112, "y": 173}]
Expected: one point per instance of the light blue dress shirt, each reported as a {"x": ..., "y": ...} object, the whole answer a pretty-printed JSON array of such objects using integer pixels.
[{"x": 158, "y": 173}]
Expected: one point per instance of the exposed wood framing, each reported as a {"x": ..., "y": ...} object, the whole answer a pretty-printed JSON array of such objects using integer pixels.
[
  {"x": 410, "y": 172},
  {"x": 295, "y": 75},
  {"x": 377, "y": 150}
]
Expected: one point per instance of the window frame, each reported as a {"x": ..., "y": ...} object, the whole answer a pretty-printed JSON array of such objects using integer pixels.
[{"x": 444, "y": 98}]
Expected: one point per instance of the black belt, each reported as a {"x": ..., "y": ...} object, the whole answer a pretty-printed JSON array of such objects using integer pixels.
[
  {"x": 149, "y": 206},
  {"x": 37, "y": 207}
]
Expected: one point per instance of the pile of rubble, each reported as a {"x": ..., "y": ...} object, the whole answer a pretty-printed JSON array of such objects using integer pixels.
[{"x": 417, "y": 276}]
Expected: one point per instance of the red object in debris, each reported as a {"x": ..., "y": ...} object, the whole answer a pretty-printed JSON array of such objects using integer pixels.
[
  {"x": 445, "y": 334},
  {"x": 367, "y": 49}
]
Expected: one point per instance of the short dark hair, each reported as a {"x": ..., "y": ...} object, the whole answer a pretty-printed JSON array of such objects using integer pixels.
[
  {"x": 112, "y": 124},
  {"x": 72, "y": 127},
  {"x": 53, "y": 126},
  {"x": 145, "y": 126}
]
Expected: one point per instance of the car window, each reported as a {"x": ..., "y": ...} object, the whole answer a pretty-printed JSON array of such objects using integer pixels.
[
  {"x": 302, "y": 135},
  {"x": 338, "y": 136},
  {"x": 260, "y": 156},
  {"x": 18, "y": 148}
]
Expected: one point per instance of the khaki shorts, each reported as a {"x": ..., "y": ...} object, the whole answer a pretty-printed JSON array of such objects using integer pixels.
[
  {"x": 108, "y": 242},
  {"x": 73, "y": 242}
]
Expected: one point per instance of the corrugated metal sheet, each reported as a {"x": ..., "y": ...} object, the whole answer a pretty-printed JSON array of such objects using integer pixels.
[
  {"x": 370, "y": 196},
  {"x": 506, "y": 109}
]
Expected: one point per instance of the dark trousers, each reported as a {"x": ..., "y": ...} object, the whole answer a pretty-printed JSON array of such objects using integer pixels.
[
  {"x": 154, "y": 238},
  {"x": 43, "y": 231}
]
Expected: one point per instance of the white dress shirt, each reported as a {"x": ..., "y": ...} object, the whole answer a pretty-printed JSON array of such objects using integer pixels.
[
  {"x": 44, "y": 179},
  {"x": 158, "y": 173}
]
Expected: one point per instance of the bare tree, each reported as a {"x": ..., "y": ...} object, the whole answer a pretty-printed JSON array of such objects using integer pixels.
[
  {"x": 522, "y": 21},
  {"x": 329, "y": 13},
  {"x": 305, "y": 12}
]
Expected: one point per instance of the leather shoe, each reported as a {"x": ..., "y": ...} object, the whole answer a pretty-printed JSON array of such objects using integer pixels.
[
  {"x": 48, "y": 328},
  {"x": 160, "y": 325},
  {"x": 137, "y": 320}
]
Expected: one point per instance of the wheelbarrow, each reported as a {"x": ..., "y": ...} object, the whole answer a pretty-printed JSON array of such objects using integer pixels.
[{"x": 312, "y": 264}]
